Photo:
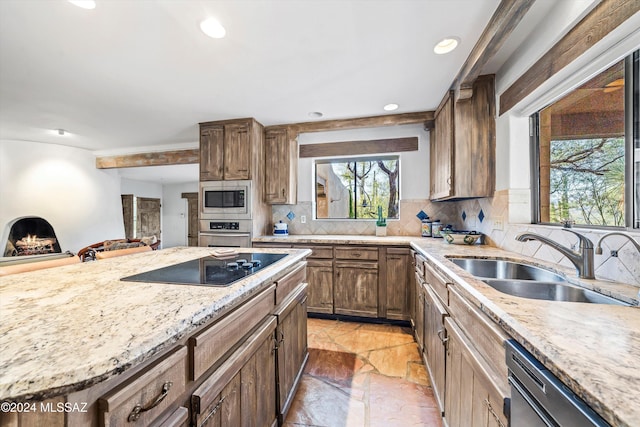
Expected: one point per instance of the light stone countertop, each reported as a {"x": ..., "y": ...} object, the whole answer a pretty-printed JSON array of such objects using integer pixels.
[
  {"x": 593, "y": 348},
  {"x": 64, "y": 329}
]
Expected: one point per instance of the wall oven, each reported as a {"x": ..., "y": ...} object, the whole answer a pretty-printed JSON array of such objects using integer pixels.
[
  {"x": 231, "y": 234},
  {"x": 225, "y": 200}
]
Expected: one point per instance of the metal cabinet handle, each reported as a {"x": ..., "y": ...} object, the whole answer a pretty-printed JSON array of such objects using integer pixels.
[
  {"x": 215, "y": 409},
  {"x": 283, "y": 192},
  {"x": 442, "y": 338},
  {"x": 139, "y": 409},
  {"x": 493, "y": 412}
]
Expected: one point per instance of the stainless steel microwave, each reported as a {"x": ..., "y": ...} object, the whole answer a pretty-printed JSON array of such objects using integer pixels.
[{"x": 225, "y": 199}]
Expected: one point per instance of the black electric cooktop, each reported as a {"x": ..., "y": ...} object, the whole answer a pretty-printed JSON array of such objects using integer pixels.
[{"x": 209, "y": 271}]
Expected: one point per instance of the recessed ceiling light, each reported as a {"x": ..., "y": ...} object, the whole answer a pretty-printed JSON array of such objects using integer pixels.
[
  {"x": 85, "y": 4},
  {"x": 390, "y": 107},
  {"x": 315, "y": 114},
  {"x": 446, "y": 45},
  {"x": 213, "y": 28}
]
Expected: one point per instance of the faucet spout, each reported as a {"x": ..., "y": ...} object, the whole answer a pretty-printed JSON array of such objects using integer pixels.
[
  {"x": 582, "y": 260},
  {"x": 616, "y": 233}
]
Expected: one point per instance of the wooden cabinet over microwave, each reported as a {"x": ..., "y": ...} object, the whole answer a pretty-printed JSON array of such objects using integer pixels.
[{"x": 231, "y": 150}]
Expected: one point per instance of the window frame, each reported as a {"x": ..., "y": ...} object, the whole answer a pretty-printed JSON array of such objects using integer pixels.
[
  {"x": 358, "y": 158},
  {"x": 631, "y": 138}
]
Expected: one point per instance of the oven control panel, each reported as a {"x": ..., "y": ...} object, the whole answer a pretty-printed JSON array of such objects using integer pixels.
[{"x": 224, "y": 225}]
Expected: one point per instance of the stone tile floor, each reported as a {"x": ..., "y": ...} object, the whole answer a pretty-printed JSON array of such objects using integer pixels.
[{"x": 363, "y": 375}]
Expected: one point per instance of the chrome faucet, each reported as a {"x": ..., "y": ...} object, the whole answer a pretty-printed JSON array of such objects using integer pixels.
[
  {"x": 616, "y": 233},
  {"x": 582, "y": 260}
]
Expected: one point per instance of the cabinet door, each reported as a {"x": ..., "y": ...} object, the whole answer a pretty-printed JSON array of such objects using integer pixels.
[
  {"x": 356, "y": 288},
  {"x": 320, "y": 279},
  {"x": 258, "y": 388},
  {"x": 211, "y": 153},
  {"x": 419, "y": 312},
  {"x": 292, "y": 350},
  {"x": 434, "y": 342},
  {"x": 442, "y": 150},
  {"x": 224, "y": 410},
  {"x": 237, "y": 152},
  {"x": 471, "y": 398},
  {"x": 281, "y": 167},
  {"x": 397, "y": 279}
]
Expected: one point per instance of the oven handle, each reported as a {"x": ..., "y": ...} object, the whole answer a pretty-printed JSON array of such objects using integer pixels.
[{"x": 225, "y": 234}]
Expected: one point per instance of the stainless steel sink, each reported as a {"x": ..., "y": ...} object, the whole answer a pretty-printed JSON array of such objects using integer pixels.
[
  {"x": 528, "y": 281},
  {"x": 550, "y": 291},
  {"x": 501, "y": 269}
]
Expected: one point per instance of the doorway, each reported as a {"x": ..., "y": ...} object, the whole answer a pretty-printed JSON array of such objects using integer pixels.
[
  {"x": 142, "y": 216},
  {"x": 192, "y": 218}
]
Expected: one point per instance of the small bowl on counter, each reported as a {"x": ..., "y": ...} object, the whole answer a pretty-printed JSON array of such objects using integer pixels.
[{"x": 455, "y": 237}]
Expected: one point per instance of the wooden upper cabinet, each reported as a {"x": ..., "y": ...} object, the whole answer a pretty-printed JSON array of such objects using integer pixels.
[
  {"x": 237, "y": 152},
  {"x": 281, "y": 161},
  {"x": 463, "y": 144},
  {"x": 442, "y": 145},
  {"x": 211, "y": 153},
  {"x": 230, "y": 150}
]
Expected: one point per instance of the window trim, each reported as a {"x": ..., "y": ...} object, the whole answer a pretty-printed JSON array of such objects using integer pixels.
[
  {"x": 631, "y": 134},
  {"x": 354, "y": 158}
]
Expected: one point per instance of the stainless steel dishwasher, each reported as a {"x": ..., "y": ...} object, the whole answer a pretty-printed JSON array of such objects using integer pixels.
[{"x": 538, "y": 398}]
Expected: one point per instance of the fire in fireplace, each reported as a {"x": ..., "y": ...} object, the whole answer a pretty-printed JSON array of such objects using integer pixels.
[{"x": 31, "y": 236}]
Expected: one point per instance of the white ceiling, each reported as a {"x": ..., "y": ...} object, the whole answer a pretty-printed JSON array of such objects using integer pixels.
[{"x": 138, "y": 73}]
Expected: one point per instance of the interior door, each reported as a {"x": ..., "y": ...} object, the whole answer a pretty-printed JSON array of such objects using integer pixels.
[
  {"x": 192, "y": 218},
  {"x": 148, "y": 217}
]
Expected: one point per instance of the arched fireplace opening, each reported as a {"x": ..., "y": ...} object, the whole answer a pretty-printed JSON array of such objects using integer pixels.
[{"x": 31, "y": 236}]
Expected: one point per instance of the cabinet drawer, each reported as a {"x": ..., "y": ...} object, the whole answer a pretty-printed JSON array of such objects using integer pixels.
[
  {"x": 437, "y": 282},
  {"x": 322, "y": 252},
  {"x": 210, "y": 345},
  {"x": 289, "y": 282},
  {"x": 178, "y": 418},
  {"x": 356, "y": 252},
  {"x": 487, "y": 337},
  {"x": 139, "y": 401}
]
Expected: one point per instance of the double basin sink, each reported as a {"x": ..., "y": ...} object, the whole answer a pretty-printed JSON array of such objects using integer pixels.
[{"x": 528, "y": 281}]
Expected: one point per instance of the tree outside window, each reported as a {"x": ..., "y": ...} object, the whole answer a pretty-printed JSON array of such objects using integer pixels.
[{"x": 354, "y": 188}]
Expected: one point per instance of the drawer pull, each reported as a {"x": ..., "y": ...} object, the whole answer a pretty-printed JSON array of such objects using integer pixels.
[
  {"x": 215, "y": 409},
  {"x": 139, "y": 409}
]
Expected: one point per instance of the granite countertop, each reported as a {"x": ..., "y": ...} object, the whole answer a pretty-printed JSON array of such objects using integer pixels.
[
  {"x": 67, "y": 328},
  {"x": 593, "y": 348}
]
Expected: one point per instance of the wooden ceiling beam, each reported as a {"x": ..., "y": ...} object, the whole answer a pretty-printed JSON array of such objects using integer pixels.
[
  {"x": 603, "y": 19},
  {"x": 504, "y": 20},
  {"x": 164, "y": 158},
  {"x": 424, "y": 117}
]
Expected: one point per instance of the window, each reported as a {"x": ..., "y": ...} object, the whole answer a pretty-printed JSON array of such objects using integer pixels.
[
  {"x": 355, "y": 188},
  {"x": 587, "y": 152}
]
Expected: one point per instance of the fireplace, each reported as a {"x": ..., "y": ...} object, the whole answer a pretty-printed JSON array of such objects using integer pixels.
[{"x": 31, "y": 236}]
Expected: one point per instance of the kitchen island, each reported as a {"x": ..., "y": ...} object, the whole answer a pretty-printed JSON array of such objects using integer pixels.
[
  {"x": 592, "y": 348},
  {"x": 73, "y": 333}
]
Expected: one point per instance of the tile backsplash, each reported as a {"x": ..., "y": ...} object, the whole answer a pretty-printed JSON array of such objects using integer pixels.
[
  {"x": 489, "y": 216},
  {"x": 498, "y": 232}
]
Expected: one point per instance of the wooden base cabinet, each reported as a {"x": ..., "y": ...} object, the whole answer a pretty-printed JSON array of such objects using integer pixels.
[
  {"x": 419, "y": 312},
  {"x": 291, "y": 345},
  {"x": 435, "y": 338},
  {"x": 242, "y": 391},
  {"x": 472, "y": 398},
  {"x": 356, "y": 288},
  {"x": 320, "y": 279},
  {"x": 397, "y": 268}
]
